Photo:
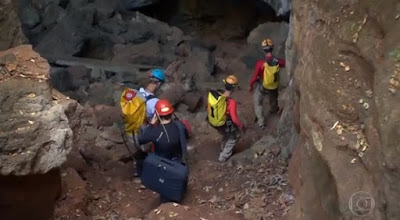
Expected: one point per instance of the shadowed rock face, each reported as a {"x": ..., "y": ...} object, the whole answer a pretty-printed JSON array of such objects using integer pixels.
[
  {"x": 10, "y": 27},
  {"x": 281, "y": 7},
  {"x": 348, "y": 80},
  {"x": 31, "y": 195}
]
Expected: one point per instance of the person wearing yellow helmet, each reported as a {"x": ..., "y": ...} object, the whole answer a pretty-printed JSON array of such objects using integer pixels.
[
  {"x": 266, "y": 81},
  {"x": 222, "y": 115}
]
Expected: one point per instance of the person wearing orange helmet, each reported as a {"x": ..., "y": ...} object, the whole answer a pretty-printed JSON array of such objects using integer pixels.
[
  {"x": 266, "y": 81},
  {"x": 222, "y": 115}
]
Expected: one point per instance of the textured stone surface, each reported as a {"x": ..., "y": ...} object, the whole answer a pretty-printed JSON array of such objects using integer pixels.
[
  {"x": 10, "y": 27},
  {"x": 349, "y": 109},
  {"x": 35, "y": 136}
]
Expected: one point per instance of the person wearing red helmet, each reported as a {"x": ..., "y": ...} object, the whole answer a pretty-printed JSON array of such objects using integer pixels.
[
  {"x": 166, "y": 133},
  {"x": 156, "y": 79}
]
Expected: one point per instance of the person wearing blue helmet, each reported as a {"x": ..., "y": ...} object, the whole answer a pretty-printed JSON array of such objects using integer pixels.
[{"x": 156, "y": 79}]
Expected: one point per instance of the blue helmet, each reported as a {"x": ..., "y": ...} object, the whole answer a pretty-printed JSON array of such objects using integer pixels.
[{"x": 157, "y": 74}]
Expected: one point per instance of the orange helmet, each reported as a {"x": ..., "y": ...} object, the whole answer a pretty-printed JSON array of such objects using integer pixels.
[
  {"x": 232, "y": 80},
  {"x": 267, "y": 44},
  {"x": 164, "y": 107}
]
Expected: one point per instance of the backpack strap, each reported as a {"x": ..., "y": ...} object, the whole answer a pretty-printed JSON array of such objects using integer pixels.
[
  {"x": 149, "y": 97},
  {"x": 272, "y": 62},
  {"x": 182, "y": 136}
]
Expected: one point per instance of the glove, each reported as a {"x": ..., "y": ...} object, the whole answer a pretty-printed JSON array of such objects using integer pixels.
[
  {"x": 244, "y": 129},
  {"x": 251, "y": 89}
]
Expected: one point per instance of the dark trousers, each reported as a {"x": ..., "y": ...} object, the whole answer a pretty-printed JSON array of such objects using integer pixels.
[{"x": 139, "y": 156}]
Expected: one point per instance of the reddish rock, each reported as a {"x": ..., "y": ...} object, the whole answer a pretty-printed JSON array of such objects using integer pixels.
[
  {"x": 75, "y": 194},
  {"x": 192, "y": 100},
  {"x": 275, "y": 150},
  {"x": 106, "y": 115}
]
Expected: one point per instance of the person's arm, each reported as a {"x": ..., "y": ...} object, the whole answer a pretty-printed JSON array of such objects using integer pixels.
[
  {"x": 147, "y": 135},
  {"x": 257, "y": 71},
  {"x": 151, "y": 107},
  {"x": 282, "y": 62},
  {"x": 233, "y": 113}
]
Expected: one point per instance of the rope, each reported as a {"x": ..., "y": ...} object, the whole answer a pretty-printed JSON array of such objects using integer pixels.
[{"x": 125, "y": 142}]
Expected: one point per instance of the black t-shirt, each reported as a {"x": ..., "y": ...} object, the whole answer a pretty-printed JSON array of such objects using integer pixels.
[{"x": 163, "y": 148}]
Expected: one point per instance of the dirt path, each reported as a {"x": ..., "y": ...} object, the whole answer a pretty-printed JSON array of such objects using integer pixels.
[{"x": 105, "y": 189}]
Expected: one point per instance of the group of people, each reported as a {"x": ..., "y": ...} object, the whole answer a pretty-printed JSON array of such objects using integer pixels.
[
  {"x": 221, "y": 108},
  {"x": 151, "y": 125}
]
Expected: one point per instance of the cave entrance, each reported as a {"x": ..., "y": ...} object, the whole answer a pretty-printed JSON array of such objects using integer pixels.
[{"x": 209, "y": 17}]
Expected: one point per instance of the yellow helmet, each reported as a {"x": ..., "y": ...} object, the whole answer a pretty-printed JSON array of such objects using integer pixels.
[
  {"x": 231, "y": 79},
  {"x": 267, "y": 44}
]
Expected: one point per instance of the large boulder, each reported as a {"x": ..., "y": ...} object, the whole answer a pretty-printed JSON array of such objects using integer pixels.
[
  {"x": 52, "y": 14},
  {"x": 35, "y": 135},
  {"x": 71, "y": 78},
  {"x": 281, "y": 7},
  {"x": 143, "y": 28},
  {"x": 144, "y": 53},
  {"x": 277, "y": 31},
  {"x": 29, "y": 16},
  {"x": 10, "y": 27},
  {"x": 136, "y": 4},
  {"x": 68, "y": 37}
]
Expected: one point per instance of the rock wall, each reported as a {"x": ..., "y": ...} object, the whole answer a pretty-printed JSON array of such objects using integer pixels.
[
  {"x": 31, "y": 195},
  {"x": 281, "y": 7},
  {"x": 10, "y": 27},
  {"x": 345, "y": 164},
  {"x": 35, "y": 136}
]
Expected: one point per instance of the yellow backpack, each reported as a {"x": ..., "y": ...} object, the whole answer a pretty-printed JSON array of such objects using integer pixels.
[
  {"x": 271, "y": 75},
  {"x": 133, "y": 106},
  {"x": 216, "y": 108}
]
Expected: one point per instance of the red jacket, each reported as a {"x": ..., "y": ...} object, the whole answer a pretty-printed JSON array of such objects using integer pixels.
[
  {"x": 259, "y": 70},
  {"x": 231, "y": 111}
]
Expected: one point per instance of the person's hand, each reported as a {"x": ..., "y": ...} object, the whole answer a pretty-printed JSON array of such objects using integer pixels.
[
  {"x": 251, "y": 89},
  {"x": 154, "y": 119},
  {"x": 244, "y": 129}
]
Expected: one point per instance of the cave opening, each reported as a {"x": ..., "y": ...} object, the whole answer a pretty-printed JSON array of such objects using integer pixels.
[{"x": 202, "y": 18}]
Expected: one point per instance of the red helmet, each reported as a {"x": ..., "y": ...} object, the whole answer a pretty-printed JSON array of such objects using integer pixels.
[{"x": 164, "y": 107}]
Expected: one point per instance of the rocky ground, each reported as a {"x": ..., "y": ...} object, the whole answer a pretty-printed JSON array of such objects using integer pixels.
[
  {"x": 98, "y": 179},
  {"x": 338, "y": 122}
]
